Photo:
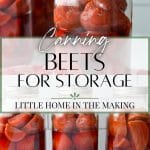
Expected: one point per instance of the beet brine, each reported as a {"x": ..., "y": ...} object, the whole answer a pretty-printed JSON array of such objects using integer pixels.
[
  {"x": 75, "y": 132},
  {"x": 129, "y": 131},
  {"x": 22, "y": 131},
  {"x": 25, "y": 17}
]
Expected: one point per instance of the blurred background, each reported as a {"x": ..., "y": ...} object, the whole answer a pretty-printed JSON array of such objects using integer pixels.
[{"x": 141, "y": 18}]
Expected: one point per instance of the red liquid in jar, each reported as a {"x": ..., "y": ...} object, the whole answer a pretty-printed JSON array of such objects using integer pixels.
[
  {"x": 80, "y": 132},
  {"x": 42, "y": 16},
  {"x": 25, "y": 17},
  {"x": 129, "y": 131},
  {"x": 22, "y": 131},
  {"x": 92, "y": 17},
  {"x": 13, "y": 22}
]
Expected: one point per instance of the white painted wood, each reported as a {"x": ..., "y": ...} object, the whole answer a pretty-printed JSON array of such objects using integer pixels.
[{"x": 103, "y": 130}]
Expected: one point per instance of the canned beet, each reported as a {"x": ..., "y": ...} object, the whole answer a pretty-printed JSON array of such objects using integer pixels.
[
  {"x": 22, "y": 131},
  {"x": 25, "y": 17},
  {"x": 75, "y": 132},
  {"x": 93, "y": 17},
  {"x": 129, "y": 131}
]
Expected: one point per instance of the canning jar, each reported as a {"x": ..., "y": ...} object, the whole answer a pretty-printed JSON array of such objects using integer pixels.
[
  {"x": 25, "y": 17},
  {"x": 75, "y": 131},
  {"x": 22, "y": 131},
  {"x": 129, "y": 131},
  {"x": 93, "y": 17}
]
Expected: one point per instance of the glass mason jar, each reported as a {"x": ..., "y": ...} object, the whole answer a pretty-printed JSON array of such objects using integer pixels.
[
  {"x": 75, "y": 131},
  {"x": 25, "y": 17},
  {"x": 22, "y": 131},
  {"x": 93, "y": 17},
  {"x": 129, "y": 131}
]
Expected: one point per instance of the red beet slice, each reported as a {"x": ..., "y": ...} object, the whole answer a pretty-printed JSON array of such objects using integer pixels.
[
  {"x": 120, "y": 143},
  {"x": 95, "y": 19},
  {"x": 11, "y": 29},
  {"x": 86, "y": 122},
  {"x": 62, "y": 142},
  {"x": 86, "y": 141},
  {"x": 117, "y": 125},
  {"x": 135, "y": 116},
  {"x": 3, "y": 121},
  {"x": 64, "y": 122},
  {"x": 19, "y": 120},
  {"x": 27, "y": 143},
  {"x": 5, "y": 144},
  {"x": 14, "y": 134},
  {"x": 4, "y": 18},
  {"x": 121, "y": 23},
  {"x": 67, "y": 17},
  {"x": 2, "y": 128},
  {"x": 35, "y": 125},
  {"x": 5, "y": 3},
  {"x": 121, "y": 4},
  {"x": 18, "y": 8},
  {"x": 139, "y": 133}
]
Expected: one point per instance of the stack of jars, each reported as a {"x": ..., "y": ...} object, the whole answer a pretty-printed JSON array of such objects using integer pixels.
[{"x": 75, "y": 132}]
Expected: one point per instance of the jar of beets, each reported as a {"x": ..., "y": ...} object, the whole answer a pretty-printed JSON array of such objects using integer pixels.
[
  {"x": 25, "y": 17},
  {"x": 75, "y": 131},
  {"x": 129, "y": 131},
  {"x": 93, "y": 17},
  {"x": 22, "y": 131}
]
